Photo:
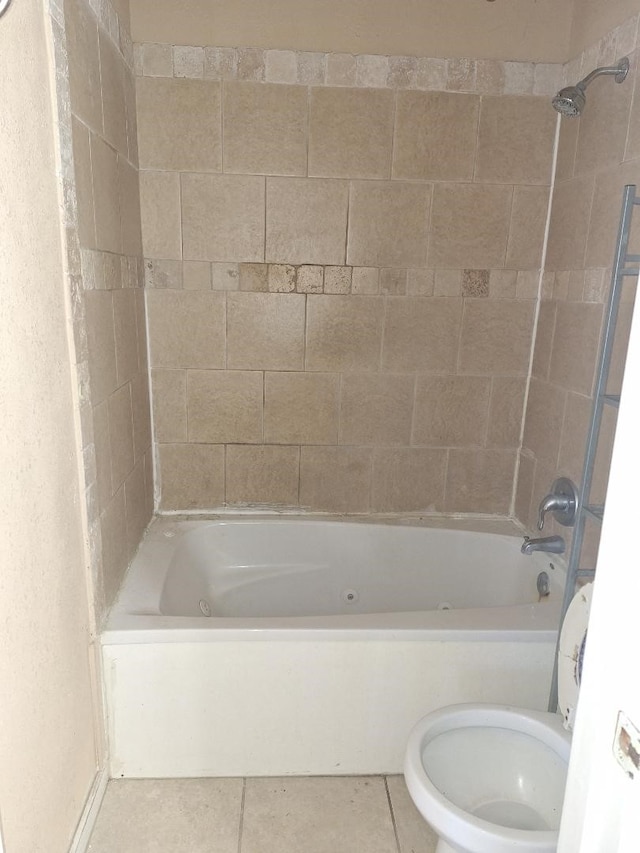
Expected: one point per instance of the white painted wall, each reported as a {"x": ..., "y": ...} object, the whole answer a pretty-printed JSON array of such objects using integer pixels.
[
  {"x": 602, "y": 804},
  {"x": 47, "y": 739}
]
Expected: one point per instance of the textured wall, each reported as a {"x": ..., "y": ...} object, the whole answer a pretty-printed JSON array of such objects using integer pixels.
[
  {"x": 47, "y": 737},
  {"x": 598, "y": 154},
  {"x": 534, "y": 30},
  {"x": 109, "y": 310},
  {"x": 341, "y": 279}
]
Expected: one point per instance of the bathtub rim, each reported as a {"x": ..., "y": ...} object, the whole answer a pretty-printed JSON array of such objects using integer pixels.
[{"x": 122, "y": 626}]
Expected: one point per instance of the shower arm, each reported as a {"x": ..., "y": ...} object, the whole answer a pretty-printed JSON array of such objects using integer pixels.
[{"x": 620, "y": 70}]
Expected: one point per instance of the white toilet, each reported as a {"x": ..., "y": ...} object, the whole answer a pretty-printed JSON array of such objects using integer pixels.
[{"x": 491, "y": 778}]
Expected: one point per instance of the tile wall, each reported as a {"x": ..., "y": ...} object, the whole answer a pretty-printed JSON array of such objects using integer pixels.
[
  {"x": 598, "y": 154},
  {"x": 105, "y": 252},
  {"x": 342, "y": 259}
]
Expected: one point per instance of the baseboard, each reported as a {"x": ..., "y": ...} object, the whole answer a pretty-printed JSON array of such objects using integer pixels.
[{"x": 87, "y": 820}]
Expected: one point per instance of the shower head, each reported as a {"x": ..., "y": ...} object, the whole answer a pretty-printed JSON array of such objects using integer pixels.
[{"x": 571, "y": 100}]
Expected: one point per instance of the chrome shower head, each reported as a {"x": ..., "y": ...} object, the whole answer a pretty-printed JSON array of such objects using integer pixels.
[{"x": 571, "y": 100}]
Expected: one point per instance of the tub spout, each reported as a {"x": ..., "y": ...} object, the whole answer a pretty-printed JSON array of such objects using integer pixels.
[{"x": 550, "y": 544}]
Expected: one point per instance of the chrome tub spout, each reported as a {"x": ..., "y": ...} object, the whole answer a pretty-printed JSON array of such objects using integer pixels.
[{"x": 550, "y": 544}]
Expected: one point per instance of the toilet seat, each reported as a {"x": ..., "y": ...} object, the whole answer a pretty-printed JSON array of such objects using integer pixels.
[{"x": 447, "y": 801}]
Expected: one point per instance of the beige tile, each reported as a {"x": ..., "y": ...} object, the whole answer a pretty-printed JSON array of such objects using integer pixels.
[
  {"x": 515, "y": 140},
  {"x": 265, "y": 331},
  {"x": 104, "y": 163},
  {"x": 343, "y": 333},
  {"x": 335, "y": 479},
  {"x": 113, "y": 535},
  {"x": 337, "y": 280},
  {"x": 469, "y": 226},
  {"x": 451, "y": 411},
  {"x": 435, "y": 136},
  {"x": 103, "y": 453},
  {"x": 573, "y": 439},
  {"x": 447, "y": 283},
  {"x": 126, "y": 334},
  {"x": 160, "y": 214},
  {"x": 502, "y": 284},
  {"x": 84, "y": 184},
  {"x": 306, "y": 221},
  {"x": 278, "y": 813},
  {"x": 132, "y": 120},
  {"x": 280, "y": 66},
  {"x": 567, "y": 147},
  {"x": 187, "y": 328},
  {"x": 496, "y": 336},
  {"x": 575, "y": 346},
  {"x": 526, "y": 232},
  {"x": 169, "y": 405},
  {"x": 310, "y": 279},
  {"x": 489, "y": 77},
  {"x": 376, "y": 409},
  {"x": 543, "y": 422},
  {"x": 199, "y": 815},
  {"x": 475, "y": 283},
  {"x": 113, "y": 102},
  {"x": 388, "y": 224},
  {"x": 188, "y": 61},
  {"x": 524, "y": 490},
  {"x": 403, "y": 71},
  {"x": 544, "y": 339},
  {"x": 223, "y": 217},
  {"x": 130, "y": 214},
  {"x": 603, "y": 127},
  {"x": 191, "y": 476},
  {"x": 101, "y": 342},
  {"x": 281, "y": 278},
  {"x": 196, "y": 275},
  {"x": 179, "y": 124},
  {"x": 421, "y": 334},
  {"x": 350, "y": 133},
  {"x": 420, "y": 282},
  {"x": 265, "y": 129},
  {"x": 372, "y": 70},
  {"x": 341, "y": 69},
  {"x": 224, "y": 406},
  {"x": 605, "y": 214},
  {"x": 431, "y": 74},
  {"x": 480, "y": 481},
  {"x": 461, "y": 75},
  {"x": 254, "y": 277},
  {"x": 506, "y": 411},
  {"x": 408, "y": 479},
  {"x": 262, "y": 475},
  {"x": 365, "y": 281},
  {"x": 414, "y": 833},
  {"x": 136, "y": 510},
  {"x": 225, "y": 276},
  {"x": 569, "y": 224},
  {"x": 301, "y": 408},
  {"x": 157, "y": 60},
  {"x": 312, "y": 68},
  {"x": 250, "y": 63},
  {"x": 141, "y": 409},
  {"x": 121, "y": 435},
  {"x": 393, "y": 282},
  {"x": 84, "y": 62}
]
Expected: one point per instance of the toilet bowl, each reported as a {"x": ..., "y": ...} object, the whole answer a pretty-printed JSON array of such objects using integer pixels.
[{"x": 491, "y": 778}]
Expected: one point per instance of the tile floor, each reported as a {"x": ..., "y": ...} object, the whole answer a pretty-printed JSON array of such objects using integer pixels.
[{"x": 293, "y": 814}]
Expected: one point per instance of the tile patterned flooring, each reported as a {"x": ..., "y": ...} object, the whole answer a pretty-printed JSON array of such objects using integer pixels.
[{"x": 293, "y": 814}]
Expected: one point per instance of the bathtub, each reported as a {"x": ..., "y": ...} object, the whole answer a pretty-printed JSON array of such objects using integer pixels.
[{"x": 270, "y": 646}]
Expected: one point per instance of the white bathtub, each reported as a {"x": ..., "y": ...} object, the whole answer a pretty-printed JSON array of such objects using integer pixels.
[{"x": 279, "y": 646}]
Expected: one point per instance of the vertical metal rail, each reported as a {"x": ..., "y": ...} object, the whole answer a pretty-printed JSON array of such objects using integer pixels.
[{"x": 600, "y": 399}]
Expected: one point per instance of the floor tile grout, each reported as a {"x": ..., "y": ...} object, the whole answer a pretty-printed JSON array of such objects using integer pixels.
[
  {"x": 393, "y": 817},
  {"x": 241, "y": 821}
]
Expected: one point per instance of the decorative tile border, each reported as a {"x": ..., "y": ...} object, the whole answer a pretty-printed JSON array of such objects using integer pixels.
[
  {"x": 339, "y": 280},
  {"x": 483, "y": 77}
]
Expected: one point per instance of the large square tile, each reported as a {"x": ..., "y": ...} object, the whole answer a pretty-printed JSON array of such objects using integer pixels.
[
  {"x": 169, "y": 816},
  {"x": 317, "y": 815}
]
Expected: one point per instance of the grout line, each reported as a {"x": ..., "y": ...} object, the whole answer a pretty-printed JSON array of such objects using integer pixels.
[
  {"x": 241, "y": 820},
  {"x": 393, "y": 817}
]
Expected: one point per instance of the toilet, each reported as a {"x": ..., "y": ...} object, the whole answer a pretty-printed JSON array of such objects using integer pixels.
[{"x": 491, "y": 778}]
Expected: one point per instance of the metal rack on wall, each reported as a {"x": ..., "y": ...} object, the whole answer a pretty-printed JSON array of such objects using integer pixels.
[{"x": 625, "y": 265}]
